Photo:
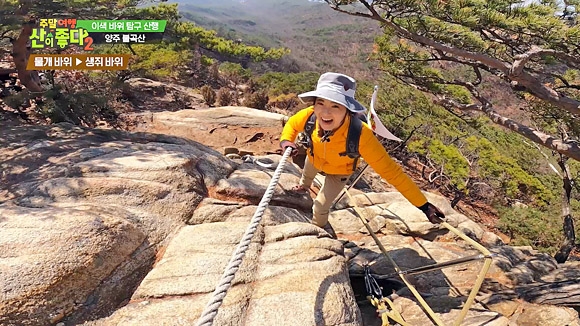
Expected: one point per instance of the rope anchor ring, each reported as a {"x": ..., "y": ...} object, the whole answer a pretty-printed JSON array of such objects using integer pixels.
[{"x": 253, "y": 160}]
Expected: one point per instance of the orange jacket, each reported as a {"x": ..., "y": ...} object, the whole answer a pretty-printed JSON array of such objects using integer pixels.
[{"x": 327, "y": 159}]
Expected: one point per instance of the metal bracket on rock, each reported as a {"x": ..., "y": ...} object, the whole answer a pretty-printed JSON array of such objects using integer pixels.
[{"x": 253, "y": 160}]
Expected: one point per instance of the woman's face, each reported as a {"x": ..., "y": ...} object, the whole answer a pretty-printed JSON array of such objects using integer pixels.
[{"x": 329, "y": 114}]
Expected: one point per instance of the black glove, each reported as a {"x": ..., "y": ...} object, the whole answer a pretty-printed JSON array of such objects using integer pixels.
[
  {"x": 286, "y": 143},
  {"x": 434, "y": 215}
]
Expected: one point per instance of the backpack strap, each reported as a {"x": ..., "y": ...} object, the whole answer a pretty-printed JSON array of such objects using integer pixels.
[
  {"x": 362, "y": 117},
  {"x": 352, "y": 140},
  {"x": 308, "y": 129}
]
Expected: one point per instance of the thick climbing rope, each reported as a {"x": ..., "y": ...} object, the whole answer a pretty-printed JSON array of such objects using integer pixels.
[{"x": 211, "y": 309}]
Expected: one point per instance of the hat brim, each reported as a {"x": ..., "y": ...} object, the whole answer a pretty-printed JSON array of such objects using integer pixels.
[{"x": 350, "y": 103}]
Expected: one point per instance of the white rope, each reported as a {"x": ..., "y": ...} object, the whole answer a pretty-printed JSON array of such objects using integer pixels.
[{"x": 225, "y": 283}]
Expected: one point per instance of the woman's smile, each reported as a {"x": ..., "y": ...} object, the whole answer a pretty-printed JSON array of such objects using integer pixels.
[{"x": 326, "y": 123}]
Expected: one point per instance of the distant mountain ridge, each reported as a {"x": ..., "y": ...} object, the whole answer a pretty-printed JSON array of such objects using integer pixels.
[{"x": 318, "y": 37}]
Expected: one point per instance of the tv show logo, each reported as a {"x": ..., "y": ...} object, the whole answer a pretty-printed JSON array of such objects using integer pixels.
[{"x": 60, "y": 32}]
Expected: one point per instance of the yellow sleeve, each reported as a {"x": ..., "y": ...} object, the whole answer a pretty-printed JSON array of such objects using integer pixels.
[
  {"x": 377, "y": 157},
  {"x": 295, "y": 124}
]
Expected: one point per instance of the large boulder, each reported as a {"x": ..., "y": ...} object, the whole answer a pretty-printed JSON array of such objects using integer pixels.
[
  {"x": 243, "y": 129},
  {"x": 83, "y": 214},
  {"x": 289, "y": 276},
  {"x": 150, "y": 95},
  {"x": 54, "y": 257}
]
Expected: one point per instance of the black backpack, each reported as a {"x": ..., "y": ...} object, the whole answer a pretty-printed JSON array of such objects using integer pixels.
[{"x": 352, "y": 138}]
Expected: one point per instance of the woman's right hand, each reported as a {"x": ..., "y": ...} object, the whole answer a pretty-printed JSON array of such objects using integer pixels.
[{"x": 286, "y": 143}]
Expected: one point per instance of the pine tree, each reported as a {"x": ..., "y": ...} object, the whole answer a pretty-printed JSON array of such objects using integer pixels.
[{"x": 533, "y": 47}]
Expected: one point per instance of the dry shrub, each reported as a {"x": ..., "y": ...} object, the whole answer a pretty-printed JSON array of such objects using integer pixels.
[
  {"x": 209, "y": 95},
  {"x": 257, "y": 100},
  {"x": 224, "y": 96}
]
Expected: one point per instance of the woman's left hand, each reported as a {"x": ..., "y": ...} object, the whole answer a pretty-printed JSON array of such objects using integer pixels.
[{"x": 434, "y": 215}]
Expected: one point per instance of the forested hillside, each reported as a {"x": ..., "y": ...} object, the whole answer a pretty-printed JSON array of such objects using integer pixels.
[
  {"x": 318, "y": 37},
  {"x": 261, "y": 53}
]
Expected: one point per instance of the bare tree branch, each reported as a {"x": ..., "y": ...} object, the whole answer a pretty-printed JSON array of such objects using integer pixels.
[
  {"x": 408, "y": 137},
  {"x": 546, "y": 157},
  {"x": 336, "y": 7},
  {"x": 402, "y": 32},
  {"x": 565, "y": 82},
  {"x": 3, "y": 35},
  {"x": 568, "y": 148},
  {"x": 7, "y": 71},
  {"x": 475, "y": 65},
  {"x": 532, "y": 84},
  {"x": 131, "y": 49},
  {"x": 478, "y": 74},
  {"x": 521, "y": 60},
  {"x": 493, "y": 36},
  {"x": 569, "y": 86}
]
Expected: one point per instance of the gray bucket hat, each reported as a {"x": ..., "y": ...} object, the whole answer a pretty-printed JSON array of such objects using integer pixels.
[{"x": 337, "y": 88}]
